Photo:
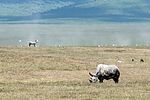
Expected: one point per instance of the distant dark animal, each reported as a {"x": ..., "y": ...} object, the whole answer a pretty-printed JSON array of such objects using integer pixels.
[
  {"x": 105, "y": 72},
  {"x": 141, "y": 60},
  {"x": 33, "y": 43},
  {"x": 132, "y": 59}
]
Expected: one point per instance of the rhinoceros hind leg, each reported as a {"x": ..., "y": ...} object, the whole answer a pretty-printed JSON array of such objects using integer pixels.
[{"x": 116, "y": 80}]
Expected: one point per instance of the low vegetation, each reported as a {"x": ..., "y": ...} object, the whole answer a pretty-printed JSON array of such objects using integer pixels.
[{"x": 62, "y": 73}]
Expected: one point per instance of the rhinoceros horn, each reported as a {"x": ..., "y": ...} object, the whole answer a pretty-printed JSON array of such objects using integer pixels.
[{"x": 92, "y": 75}]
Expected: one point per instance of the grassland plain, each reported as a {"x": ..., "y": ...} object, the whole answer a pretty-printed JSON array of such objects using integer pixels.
[{"x": 61, "y": 73}]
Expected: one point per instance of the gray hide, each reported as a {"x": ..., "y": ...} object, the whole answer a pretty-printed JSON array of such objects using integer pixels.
[{"x": 105, "y": 72}]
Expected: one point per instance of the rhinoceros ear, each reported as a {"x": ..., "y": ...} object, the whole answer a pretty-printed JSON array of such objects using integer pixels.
[{"x": 91, "y": 74}]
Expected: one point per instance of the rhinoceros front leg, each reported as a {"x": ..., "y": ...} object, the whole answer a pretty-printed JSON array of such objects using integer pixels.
[
  {"x": 116, "y": 80},
  {"x": 100, "y": 79}
]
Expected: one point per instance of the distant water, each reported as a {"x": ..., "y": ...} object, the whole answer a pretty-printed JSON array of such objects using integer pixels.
[{"x": 76, "y": 34}]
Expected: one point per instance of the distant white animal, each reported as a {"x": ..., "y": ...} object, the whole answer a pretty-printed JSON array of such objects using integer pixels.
[
  {"x": 105, "y": 72},
  {"x": 119, "y": 61},
  {"x": 98, "y": 45},
  {"x": 20, "y": 42},
  {"x": 33, "y": 43}
]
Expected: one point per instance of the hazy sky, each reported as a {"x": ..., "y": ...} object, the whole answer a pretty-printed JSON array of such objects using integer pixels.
[{"x": 104, "y": 10}]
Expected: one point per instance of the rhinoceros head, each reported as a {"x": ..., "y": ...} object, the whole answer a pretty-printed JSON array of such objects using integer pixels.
[{"x": 93, "y": 78}]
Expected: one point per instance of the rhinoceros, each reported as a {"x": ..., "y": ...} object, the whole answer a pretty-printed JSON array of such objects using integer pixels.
[{"x": 106, "y": 72}]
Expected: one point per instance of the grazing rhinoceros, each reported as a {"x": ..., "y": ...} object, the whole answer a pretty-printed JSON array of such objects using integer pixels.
[{"x": 105, "y": 72}]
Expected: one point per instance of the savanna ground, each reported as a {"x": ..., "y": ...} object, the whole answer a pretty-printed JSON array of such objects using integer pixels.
[{"x": 55, "y": 73}]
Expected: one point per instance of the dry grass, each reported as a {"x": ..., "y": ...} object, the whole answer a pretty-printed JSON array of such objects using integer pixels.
[{"x": 62, "y": 73}]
